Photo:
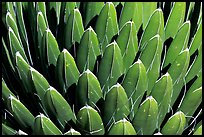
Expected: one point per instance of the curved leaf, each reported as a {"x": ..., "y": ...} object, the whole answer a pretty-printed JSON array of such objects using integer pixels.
[
  {"x": 6, "y": 91},
  {"x": 72, "y": 132},
  {"x": 88, "y": 89},
  {"x": 198, "y": 131},
  {"x": 6, "y": 130},
  {"x": 116, "y": 105},
  {"x": 89, "y": 121},
  {"x": 106, "y": 25},
  {"x": 175, "y": 125},
  {"x": 110, "y": 67},
  {"x": 70, "y": 6},
  {"x": 128, "y": 44},
  {"x": 122, "y": 127},
  {"x": 175, "y": 19},
  {"x": 88, "y": 50},
  {"x": 135, "y": 85},
  {"x": 145, "y": 120}
]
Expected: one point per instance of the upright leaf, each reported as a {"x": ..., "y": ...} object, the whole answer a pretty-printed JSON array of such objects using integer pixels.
[
  {"x": 88, "y": 89},
  {"x": 127, "y": 41},
  {"x": 122, "y": 127},
  {"x": 6, "y": 130},
  {"x": 116, "y": 105},
  {"x": 135, "y": 84},
  {"x": 89, "y": 121},
  {"x": 88, "y": 50},
  {"x": 145, "y": 120},
  {"x": 175, "y": 19},
  {"x": 151, "y": 58},
  {"x": 110, "y": 67},
  {"x": 66, "y": 71},
  {"x": 106, "y": 25},
  {"x": 72, "y": 132},
  {"x": 175, "y": 125},
  {"x": 70, "y": 6},
  {"x": 6, "y": 91}
]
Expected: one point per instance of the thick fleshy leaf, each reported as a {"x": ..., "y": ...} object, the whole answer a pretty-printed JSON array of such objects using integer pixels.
[
  {"x": 196, "y": 84},
  {"x": 151, "y": 58},
  {"x": 175, "y": 19},
  {"x": 23, "y": 70},
  {"x": 10, "y": 8},
  {"x": 131, "y": 11},
  {"x": 42, "y": 8},
  {"x": 72, "y": 132},
  {"x": 91, "y": 9},
  {"x": 116, "y": 105},
  {"x": 122, "y": 127},
  {"x": 147, "y": 10},
  {"x": 110, "y": 67},
  {"x": 106, "y": 25},
  {"x": 190, "y": 10},
  {"x": 15, "y": 45},
  {"x": 6, "y": 130},
  {"x": 195, "y": 67},
  {"x": 178, "y": 44},
  {"x": 145, "y": 120},
  {"x": 66, "y": 70},
  {"x": 198, "y": 131},
  {"x": 74, "y": 28},
  {"x": 40, "y": 84},
  {"x": 197, "y": 40},
  {"x": 70, "y": 6},
  {"x": 6, "y": 91},
  {"x": 175, "y": 125},
  {"x": 88, "y": 89},
  {"x": 50, "y": 51},
  {"x": 195, "y": 99},
  {"x": 177, "y": 72},
  {"x": 88, "y": 51},
  {"x": 55, "y": 6},
  {"x": 154, "y": 26},
  {"x": 58, "y": 106},
  {"x": 20, "y": 112},
  {"x": 44, "y": 126},
  {"x": 162, "y": 92},
  {"x": 135, "y": 84},
  {"x": 89, "y": 121},
  {"x": 128, "y": 44}
]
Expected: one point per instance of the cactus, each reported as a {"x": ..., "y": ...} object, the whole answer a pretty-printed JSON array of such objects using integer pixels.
[{"x": 101, "y": 68}]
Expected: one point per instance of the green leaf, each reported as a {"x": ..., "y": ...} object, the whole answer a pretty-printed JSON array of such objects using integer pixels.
[
  {"x": 15, "y": 45},
  {"x": 44, "y": 126},
  {"x": 23, "y": 70},
  {"x": 195, "y": 67},
  {"x": 135, "y": 85},
  {"x": 91, "y": 9},
  {"x": 190, "y": 11},
  {"x": 70, "y": 6},
  {"x": 56, "y": 6},
  {"x": 175, "y": 125},
  {"x": 122, "y": 127},
  {"x": 196, "y": 84},
  {"x": 6, "y": 91},
  {"x": 88, "y": 51},
  {"x": 20, "y": 112},
  {"x": 175, "y": 19},
  {"x": 72, "y": 132},
  {"x": 131, "y": 11},
  {"x": 177, "y": 72},
  {"x": 58, "y": 106},
  {"x": 178, "y": 44},
  {"x": 195, "y": 99},
  {"x": 128, "y": 44},
  {"x": 116, "y": 105},
  {"x": 110, "y": 67},
  {"x": 42, "y": 8},
  {"x": 22, "y": 29},
  {"x": 198, "y": 131},
  {"x": 162, "y": 92},
  {"x": 66, "y": 70},
  {"x": 147, "y": 10},
  {"x": 74, "y": 28},
  {"x": 154, "y": 26},
  {"x": 89, "y": 121},
  {"x": 106, "y": 25},
  {"x": 145, "y": 120},
  {"x": 40, "y": 84},
  {"x": 197, "y": 40},
  {"x": 88, "y": 89},
  {"x": 151, "y": 58},
  {"x": 6, "y": 130},
  {"x": 51, "y": 50},
  {"x": 10, "y": 8}
]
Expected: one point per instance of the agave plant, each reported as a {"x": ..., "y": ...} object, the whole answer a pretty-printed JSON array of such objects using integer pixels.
[{"x": 101, "y": 68}]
